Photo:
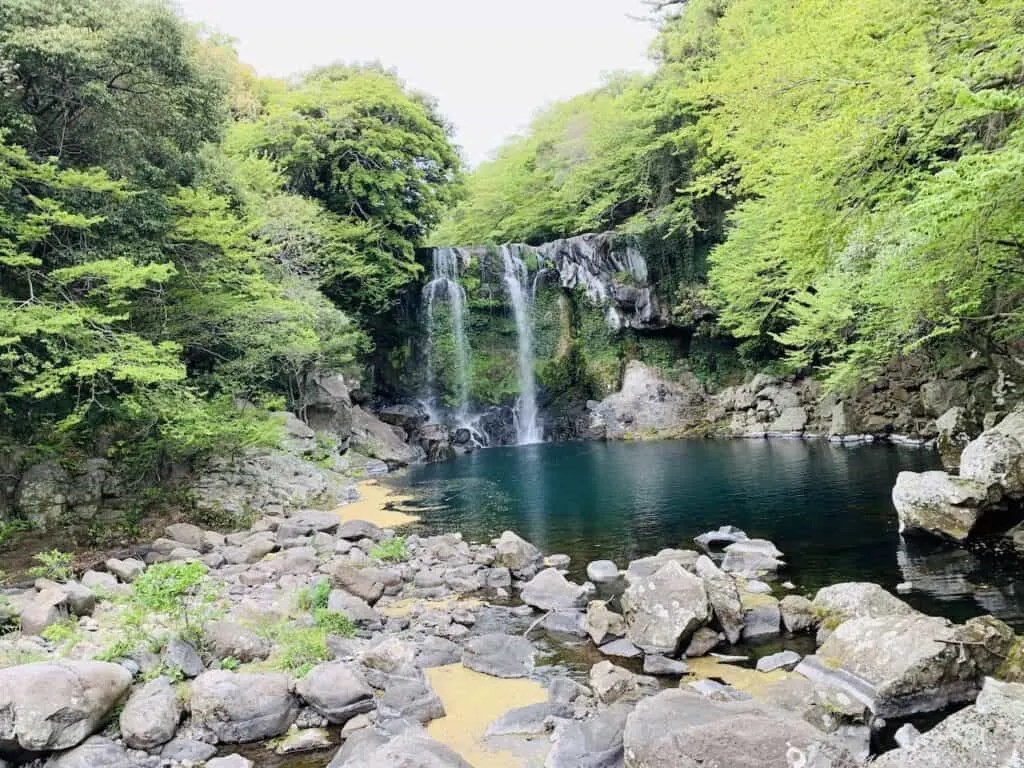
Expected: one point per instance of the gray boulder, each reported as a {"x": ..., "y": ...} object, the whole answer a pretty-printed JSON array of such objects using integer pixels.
[
  {"x": 127, "y": 570},
  {"x": 49, "y": 706},
  {"x": 898, "y": 666},
  {"x": 611, "y": 683},
  {"x": 355, "y": 608},
  {"x": 372, "y": 437},
  {"x": 226, "y": 638},
  {"x": 955, "y": 429},
  {"x": 663, "y": 666},
  {"x": 151, "y": 715},
  {"x": 855, "y": 600},
  {"x": 361, "y": 582},
  {"x": 230, "y": 761},
  {"x": 680, "y": 729},
  {"x": 184, "y": 750},
  {"x": 354, "y": 530},
  {"x": 761, "y": 616},
  {"x": 995, "y": 458},
  {"x": 499, "y": 655},
  {"x": 410, "y": 697},
  {"x": 94, "y": 752},
  {"x": 648, "y": 566},
  {"x": 797, "y": 614},
  {"x": 517, "y": 554},
  {"x": 549, "y": 590},
  {"x": 410, "y": 748},
  {"x": 663, "y": 610},
  {"x": 602, "y": 571},
  {"x": 704, "y": 641},
  {"x": 336, "y": 692},
  {"x": 989, "y": 733},
  {"x": 593, "y": 743},
  {"x": 937, "y": 504},
  {"x": 531, "y": 720},
  {"x": 327, "y": 405},
  {"x": 752, "y": 558},
  {"x": 238, "y": 708},
  {"x": 723, "y": 596},
  {"x": 602, "y": 623},
  {"x": 713, "y": 541},
  {"x": 782, "y": 660},
  {"x": 182, "y": 656},
  {"x": 43, "y": 609}
]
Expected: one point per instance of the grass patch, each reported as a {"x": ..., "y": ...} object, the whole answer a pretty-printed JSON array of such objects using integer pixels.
[{"x": 393, "y": 550}]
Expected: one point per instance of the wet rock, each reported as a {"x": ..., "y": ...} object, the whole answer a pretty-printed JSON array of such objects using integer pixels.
[
  {"x": 903, "y": 665},
  {"x": 226, "y": 638},
  {"x": 549, "y": 590},
  {"x": 151, "y": 716},
  {"x": 499, "y": 655},
  {"x": 531, "y": 720},
  {"x": 602, "y": 623},
  {"x": 243, "y": 707},
  {"x": 594, "y": 743},
  {"x": 93, "y": 752},
  {"x": 387, "y": 657},
  {"x": 761, "y": 616},
  {"x": 989, "y": 733},
  {"x": 303, "y": 740},
  {"x": 854, "y": 600},
  {"x": 662, "y": 666},
  {"x": 565, "y": 689},
  {"x": 937, "y": 504},
  {"x": 336, "y": 692},
  {"x": 572, "y": 623},
  {"x": 679, "y": 728},
  {"x": 703, "y": 641},
  {"x": 783, "y": 660},
  {"x": 621, "y": 648},
  {"x": 561, "y": 562},
  {"x": 724, "y": 598},
  {"x": 646, "y": 567},
  {"x": 230, "y": 761},
  {"x": 437, "y": 652},
  {"x": 517, "y": 554},
  {"x": 797, "y": 614},
  {"x": 716, "y": 691},
  {"x": 611, "y": 683},
  {"x": 752, "y": 558},
  {"x": 906, "y": 735},
  {"x": 602, "y": 571},
  {"x": 663, "y": 610},
  {"x": 49, "y": 706},
  {"x": 712, "y": 541}
]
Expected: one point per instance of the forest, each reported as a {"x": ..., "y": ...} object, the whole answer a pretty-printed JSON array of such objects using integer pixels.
[{"x": 180, "y": 238}]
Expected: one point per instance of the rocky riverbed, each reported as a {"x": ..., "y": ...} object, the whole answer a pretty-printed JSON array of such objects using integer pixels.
[{"x": 320, "y": 638}]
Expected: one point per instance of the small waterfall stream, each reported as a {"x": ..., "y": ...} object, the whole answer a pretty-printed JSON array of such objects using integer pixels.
[
  {"x": 444, "y": 286},
  {"x": 528, "y": 429}
]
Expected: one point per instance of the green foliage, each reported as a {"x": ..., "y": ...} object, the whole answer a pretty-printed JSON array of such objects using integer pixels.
[
  {"x": 333, "y": 622},
  {"x": 64, "y": 634},
  {"x": 392, "y": 550},
  {"x": 178, "y": 594},
  {"x": 55, "y": 565},
  {"x": 314, "y": 597},
  {"x": 10, "y": 529},
  {"x": 119, "y": 649},
  {"x": 230, "y": 663},
  {"x": 297, "y": 647}
]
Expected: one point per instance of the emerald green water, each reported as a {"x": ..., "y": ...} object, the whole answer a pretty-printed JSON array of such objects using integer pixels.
[{"x": 826, "y": 506}]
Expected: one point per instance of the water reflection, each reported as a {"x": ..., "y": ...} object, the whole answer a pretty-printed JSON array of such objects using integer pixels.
[{"x": 826, "y": 506}]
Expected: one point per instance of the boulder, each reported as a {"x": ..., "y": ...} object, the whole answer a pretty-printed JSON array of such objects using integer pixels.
[
  {"x": 372, "y": 437},
  {"x": 989, "y": 733},
  {"x": 361, "y": 582},
  {"x": 226, "y": 638},
  {"x": 662, "y": 666},
  {"x": 713, "y": 541},
  {"x": 94, "y": 752},
  {"x": 611, "y": 683},
  {"x": 783, "y": 660},
  {"x": 621, "y": 648},
  {"x": 354, "y": 530},
  {"x": 408, "y": 417},
  {"x": 327, "y": 404},
  {"x": 340, "y": 601},
  {"x": 42, "y": 610},
  {"x": 938, "y": 504},
  {"x": 411, "y": 698},
  {"x": 48, "y": 706},
  {"x": 499, "y": 655},
  {"x": 593, "y": 743},
  {"x": 648, "y": 566},
  {"x": 761, "y": 616},
  {"x": 549, "y": 590},
  {"x": 188, "y": 535},
  {"x": 230, "y": 761},
  {"x": 955, "y": 428},
  {"x": 602, "y": 572},
  {"x": 304, "y": 740},
  {"x": 410, "y": 748},
  {"x": 237, "y": 708},
  {"x": 797, "y": 614},
  {"x": 995, "y": 458},
  {"x": 602, "y": 623},
  {"x": 80, "y": 599},
  {"x": 184, "y": 750},
  {"x": 855, "y": 600},
  {"x": 663, "y": 610},
  {"x": 724, "y": 598},
  {"x": 939, "y": 395},
  {"x": 127, "y": 570},
  {"x": 681, "y": 729},
  {"x": 752, "y": 558},
  {"x": 517, "y": 554},
  {"x": 531, "y": 720},
  {"x": 898, "y": 666},
  {"x": 182, "y": 656},
  {"x": 704, "y": 641},
  {"x": 151, "y": 716},
  {"x": 336, "y": 692}
]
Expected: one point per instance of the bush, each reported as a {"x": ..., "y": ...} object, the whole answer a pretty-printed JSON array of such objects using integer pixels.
[
  {"x": 55, "y": 565},
  {"x": 334, "y": 623},
  {"x": 393, "y": 550}
]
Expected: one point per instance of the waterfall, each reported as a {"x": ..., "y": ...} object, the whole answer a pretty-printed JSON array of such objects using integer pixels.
[
  {"x": 515, "y": 276},
  {"x": 444, "y": 286}
]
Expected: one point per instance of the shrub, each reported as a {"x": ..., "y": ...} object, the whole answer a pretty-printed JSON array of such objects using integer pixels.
[
  {"x": 55, "y": 565},
  {"x": 393, "y": 550}
]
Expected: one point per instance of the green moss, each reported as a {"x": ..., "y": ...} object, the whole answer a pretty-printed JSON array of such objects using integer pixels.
[{"x": 1012, "y": 669}]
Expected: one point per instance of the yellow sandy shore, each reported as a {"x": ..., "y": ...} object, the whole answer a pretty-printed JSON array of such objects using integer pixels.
[
  {"x": 404, "y": 607},
  {"x": 750, "y": 680},
  {"x": 376, "y": 505},
  {"x": 473, "y": 701}
]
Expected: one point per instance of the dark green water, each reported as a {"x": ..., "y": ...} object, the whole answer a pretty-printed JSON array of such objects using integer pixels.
[{"x": 826, "y": 506}]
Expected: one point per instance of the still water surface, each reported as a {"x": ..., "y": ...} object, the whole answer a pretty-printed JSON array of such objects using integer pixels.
[{"x": 826, "y": 506}]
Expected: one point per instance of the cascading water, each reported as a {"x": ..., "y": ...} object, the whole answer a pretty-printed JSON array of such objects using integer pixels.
[
  {"x": 528, "y": 429},
  {"x": 444, "y": 286}
]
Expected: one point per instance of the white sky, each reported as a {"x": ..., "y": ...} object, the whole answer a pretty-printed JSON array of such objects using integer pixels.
[{"x": 490, "y": 63}]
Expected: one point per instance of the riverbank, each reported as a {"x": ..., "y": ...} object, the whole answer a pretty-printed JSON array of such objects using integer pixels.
[{"x": 352, "y": 633}]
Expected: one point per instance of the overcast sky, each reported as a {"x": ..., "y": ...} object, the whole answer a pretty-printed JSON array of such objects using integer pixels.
[{"x": 490, "y": 63}]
